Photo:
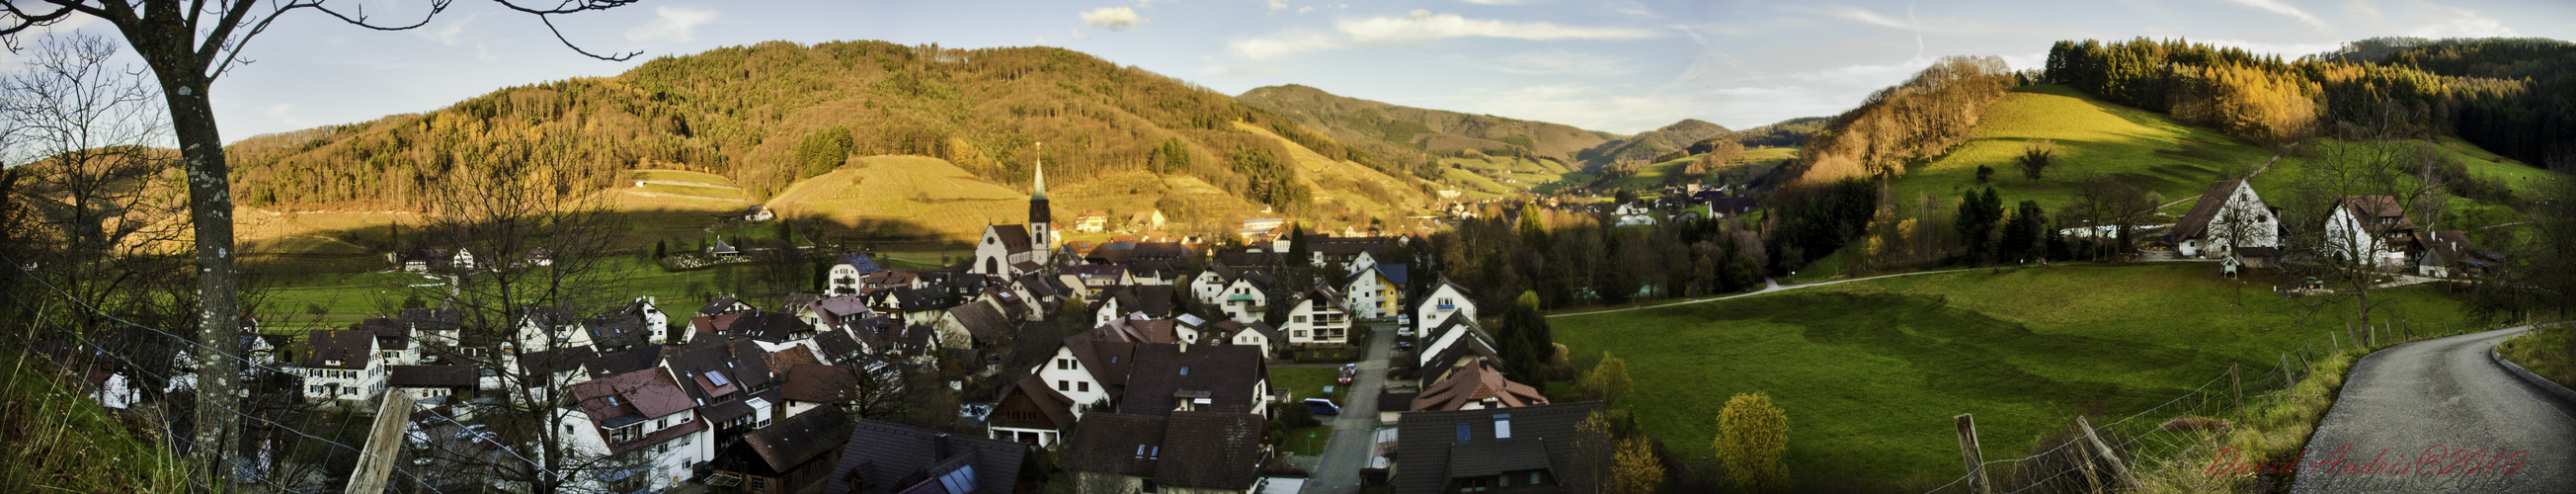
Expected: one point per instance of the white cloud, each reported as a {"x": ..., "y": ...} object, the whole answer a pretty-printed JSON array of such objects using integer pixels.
[
  {"x": 1493, "y": 2},
  {"x": 2363, "y": 9},
  {"x": 2285, "y": 9},
  {"x": 1934, "y": 25},
  {"x": 1302, "y": 10},
  {"x": 673, "y": 23},
  {"x": 1420, "y": 25},
  {"x": 2451, "y": 22},
  {"x": 1587, "y": 106},
  {"x": 1276, "y": 5},
  {"x": 1111, "y": 18}
]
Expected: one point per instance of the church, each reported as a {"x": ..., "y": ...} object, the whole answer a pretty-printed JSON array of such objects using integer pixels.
[{"x": 1014, "y": 250}]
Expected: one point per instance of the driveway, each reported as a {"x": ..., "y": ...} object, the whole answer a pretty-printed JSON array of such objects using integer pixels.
[
  {"x": 1338, "y": 471},
  {"x": 2445, "y": 401}
]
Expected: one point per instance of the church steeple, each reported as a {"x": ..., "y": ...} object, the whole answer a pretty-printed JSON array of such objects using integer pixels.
[{"x": 1041, "y": 236}]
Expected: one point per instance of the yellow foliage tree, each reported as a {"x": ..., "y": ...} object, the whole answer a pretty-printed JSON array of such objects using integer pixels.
[
  {"x": 1635, "y": 470},
  {"x": 1752, "y": 438}
]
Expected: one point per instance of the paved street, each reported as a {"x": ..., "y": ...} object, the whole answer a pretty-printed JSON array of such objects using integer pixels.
[
  {"x": 2448, "y": 398},
  {"x": 1338, "y": 471}
]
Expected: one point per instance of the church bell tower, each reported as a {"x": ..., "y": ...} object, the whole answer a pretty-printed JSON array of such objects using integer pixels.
[{"x": 1041, "y": 233}]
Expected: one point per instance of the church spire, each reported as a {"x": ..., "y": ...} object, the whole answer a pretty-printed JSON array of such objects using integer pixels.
[{"x": 1038, "y": 192}]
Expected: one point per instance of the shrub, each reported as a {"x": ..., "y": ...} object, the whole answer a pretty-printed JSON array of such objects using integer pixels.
[{"x": 1752, "y": 436}]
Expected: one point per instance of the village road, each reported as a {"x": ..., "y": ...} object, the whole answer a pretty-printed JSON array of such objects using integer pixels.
[
  {"x": 1338, "y": 471},
  {"x": 2436, "y": 416}
]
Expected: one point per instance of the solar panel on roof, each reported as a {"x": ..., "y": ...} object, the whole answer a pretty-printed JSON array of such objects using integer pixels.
[{"x": 718, "y": 378}]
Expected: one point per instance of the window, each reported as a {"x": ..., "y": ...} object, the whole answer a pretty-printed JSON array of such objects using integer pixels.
[
  {"x": 1084, "y": 386},
  {"x": 1060, "y": 364},
  {"x": 1462, "y": 432},
  {"x": 1297, "y": 319},
  {"x": 718, "y": 378},
  {"x": 1060, "y": 385}
]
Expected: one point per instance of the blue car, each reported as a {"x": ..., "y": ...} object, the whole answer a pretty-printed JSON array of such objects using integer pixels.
[{"x": 1320, "y": 406}]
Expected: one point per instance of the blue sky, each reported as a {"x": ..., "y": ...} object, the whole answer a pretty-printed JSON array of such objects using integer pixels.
[{"x": 1616, "y": 65}]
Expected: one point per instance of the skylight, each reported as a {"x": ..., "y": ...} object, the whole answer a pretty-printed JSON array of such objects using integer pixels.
[{"x": 718, "y": 378}]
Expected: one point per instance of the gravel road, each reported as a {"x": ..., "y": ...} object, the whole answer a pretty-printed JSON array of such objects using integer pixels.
[{"x": 2410, "y": 412}]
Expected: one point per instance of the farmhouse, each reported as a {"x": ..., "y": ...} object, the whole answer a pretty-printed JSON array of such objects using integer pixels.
[
  {"x": 2229, "y": 209},
  {"x": 2372, "y": 229}
]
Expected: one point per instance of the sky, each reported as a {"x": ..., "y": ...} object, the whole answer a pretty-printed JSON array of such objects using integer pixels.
[{"x": 1622, "y": 66}]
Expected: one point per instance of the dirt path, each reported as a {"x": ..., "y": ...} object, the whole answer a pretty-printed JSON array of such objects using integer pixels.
[
  {"x": 2446, "y": 401},
  {"x": 1770, "y": 286}
]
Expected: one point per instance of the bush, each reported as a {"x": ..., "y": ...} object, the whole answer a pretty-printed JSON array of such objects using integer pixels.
[
  {"x": 1752, "y": 435},
  {"x": 1295, "y": 416}
]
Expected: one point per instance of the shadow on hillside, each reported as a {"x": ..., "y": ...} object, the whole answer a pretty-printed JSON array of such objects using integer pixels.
[{"x": 638, "y": 231}]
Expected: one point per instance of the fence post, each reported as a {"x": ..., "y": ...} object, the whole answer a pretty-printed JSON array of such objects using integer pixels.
[
  {"x": 1968, "y": 452},
  {"x": 2287, "y": 375},
  {"x": 2236, "y": 381},
  {"x": 2119, "y": 470}
]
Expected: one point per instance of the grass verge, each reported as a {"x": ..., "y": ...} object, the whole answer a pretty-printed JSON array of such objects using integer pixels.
[
  {"x": 62, "y": 441},
  {"x": 2542, "y": 351}
]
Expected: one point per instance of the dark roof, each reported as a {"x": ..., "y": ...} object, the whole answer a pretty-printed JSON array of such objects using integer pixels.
[
  {"x": 721, "y": 305},
  {"x": 924, "y": 299},
  {"x": 431, "y": 376},
  {"x": 799, "y": 439},
  {"x": 351, "y": 348},
  {"x": 612, "y": 363},
  {"x": 1227, "y": 374},
  {"x": 819, "y": 383},
  {"x": 771, "y": 327},
  {"x": 982, "y": 321},
  {"x": 565, "y": 359},
  {"x": 434, "y": 319},
  {"x": 1202, "y": 450},
  {"x": 861, "y": 262},
  {"x": 2206, "y": 210},
  {"x": 2449, "y": 246},
  {"x": 888, "y": 458},
  {"x": 2372, "y": 207},
  {"x": 391, "y": 334},
  {"x": 616, "y": 332},
  {"x": 633, "y": 397},
  {"x": 1156, "y": 300},
  {"x": 1107, "y": 353},
  {"x": 1429, "y": 453},
  {"x": 1396, "y": 273},
  {"x": 836, "y": 345},
  {"x": 1242, "y": 260},
  {"x": 1057, "y": 406},
  {"x": 740, "y": 362},
  {"x": 1038, "y": 286},
  {"x": 834, "y": 308},
  {"x": 1395, "y": 402},
  {"x": 1015, "y": 238}
]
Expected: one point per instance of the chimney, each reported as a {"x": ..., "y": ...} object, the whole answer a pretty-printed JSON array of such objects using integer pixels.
[
  {"x": 939, "y": 447},
  {"x": 1185, "y": 346}
]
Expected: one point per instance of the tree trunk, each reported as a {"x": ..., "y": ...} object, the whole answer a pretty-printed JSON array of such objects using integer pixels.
[{"x": 181, "y": 71}]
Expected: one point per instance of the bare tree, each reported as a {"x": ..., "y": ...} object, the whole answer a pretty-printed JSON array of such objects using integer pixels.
[
  {"x": 188, "y": 45},
  {"x": 2102, "y": 200},
  {"x": 2354, "y": 208},
  {"x": 526, "y": 263}
]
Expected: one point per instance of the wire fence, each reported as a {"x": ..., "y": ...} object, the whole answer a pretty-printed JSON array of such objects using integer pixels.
[
  {"x": 2122, "y": 454},
  {"x": 146, "y": 372}
]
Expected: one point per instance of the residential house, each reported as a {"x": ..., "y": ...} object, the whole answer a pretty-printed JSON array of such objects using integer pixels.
[
  {"x": 884, "y": 458},
  {"x": 1444, "y": 299},
  {"x": 1477, "y": 385},
  {"x": 1094, "y": 277},
  {"x": 787, "y": 457},
  {"x": 393, "y": 340},
  {"x": 843, "y": 278},
  {"x": 974, "y": 325},
  {"x": 1033, "y": 413},
  {"x": 1445, "y": 344},
  {"x": 1317, "y": 318},
  {"x": 1092, "y": 221},
  {"x": 642, "y": 415},
  {"x": 729, "y": 380},
  {"x": 1181, "y": 452},
  {"x": 2448, "y": 253},
  {"x": 1352, "y": 254},
  {"x": 1255, "y": 334},
  {"x": 1247, "y": 299},
  {"x": 2373, "y": 229},
  {"x": 774, "y": 332},
  {"x": 341, "y": 365},
  {"x": 1377, "y": 292},
  {"x": 1170, "y": 377},
  {"x": 1524, "y": 449},
  {"x": 1145, "y": 221},
  {"x": 430, "y": 383},
  {"x": 2229, "y": 209},
  {"x": 724, "y": 304}
]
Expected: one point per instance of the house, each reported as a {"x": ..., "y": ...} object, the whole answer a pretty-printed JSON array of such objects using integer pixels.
[
  {"x": 430, "y": 383},
  {"x": 1477, "y": 385},
  {"x": 341, "y": 365},
  {"x": 721, "y": 249},
  {"x": 757, "y": 213},
  {"x": 773, "y": 331},
  {"x": 884, "y": 458},
  {"x": 1145, "y": 221},
  {"x": 2371, "y": 229},
  {"x": 1092, "y": 221},
  {"x": 393, "y": 340},
  {"x": 1093, "y": 277},
  {"x": 643, "y": 415},
  {"x": 2229, "y": 209},
  {"x": 1352, "y": 254},
  {"x": 1190, "y": 452},
  {"x": 1525, "y": 449},
  {"x": 1209, "y": 285},
  {"x": 1722, "y": 205},
  {"x": 1443, "y": 300},
  {"x": 2448, "y": 253},
  {"x": 1445, "y": 341},
  {"x": 1633, "y": 209},
  {"x": 1089, "y": 366},
  {"x": 1377, "y": 292},
  {"x": 1033, "y": 413},
  {"x": 1180, "y": 377},
  {"x": 843, "y": 278},
  {"x": 1247, "y": 298},
  {"x": 975, "y": 325},
  {"x": 724, "y": 304},
  {"x": 1255, "y": 334},
  {"x": 729, "y": 380},
  {"x": 1317, "y": 318},
  {"x": 783, "y": 458}
]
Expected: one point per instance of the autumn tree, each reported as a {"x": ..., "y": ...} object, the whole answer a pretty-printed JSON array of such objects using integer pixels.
[
  {"x": 1636, "y": 469},
  {"x": 188, "y": 45},
  {"x": 1608, "y": 380},
  {"x": 1752, "y": 441}
]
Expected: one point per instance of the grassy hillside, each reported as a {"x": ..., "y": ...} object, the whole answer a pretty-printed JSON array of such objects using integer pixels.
[
  {"x": 742, "y": 125},
  {"x": 1870, "y": 372},
  {"x": 2142, "y": 148},
  {"x": 1653, "y": 143}
]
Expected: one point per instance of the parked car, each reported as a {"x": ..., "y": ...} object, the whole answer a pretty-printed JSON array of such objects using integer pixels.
[
  {"x": 1349, "y": 371},
  {"x": 1404, "y": 345},
  {"x": 1320, "y": 406}
]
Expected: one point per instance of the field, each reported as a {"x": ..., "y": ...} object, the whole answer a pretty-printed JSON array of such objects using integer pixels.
[
  {"x": 1871, "y": 372},
  {"x": 2142, "y": 148},
  {"x": 1653, "y": 176}
]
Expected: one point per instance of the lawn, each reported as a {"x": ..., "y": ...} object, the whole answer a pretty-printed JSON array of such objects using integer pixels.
[
  {"x": 2140, "y": 147},
  {"x": 1871, "y": 372},
  {"x": 1308, "y": 382}
]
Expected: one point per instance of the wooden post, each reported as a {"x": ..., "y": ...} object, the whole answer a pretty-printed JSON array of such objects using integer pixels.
[
  {"x": 1968, "y": 452},
  {"x": 376, "y": 463},
  {"x": 2288, "y": 376},
  {"x": 2236, "y": 381},
  {"x": 2119, "y": 470}
]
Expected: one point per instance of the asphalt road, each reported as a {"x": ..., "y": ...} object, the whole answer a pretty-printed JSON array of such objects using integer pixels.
[
  {"x": 1338, "y": 471},
  {"x": 2412, "y": 411}
]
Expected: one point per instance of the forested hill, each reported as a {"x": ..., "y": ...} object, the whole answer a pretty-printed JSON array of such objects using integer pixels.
[
  {"x": 767, "y": 115},
  {"x": 1411, "y": 134},
  {"x": 1654, "y": 143}
]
